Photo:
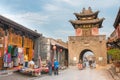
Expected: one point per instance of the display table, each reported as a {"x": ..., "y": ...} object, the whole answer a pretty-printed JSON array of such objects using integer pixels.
[
  {"x": 44, "y": 70},
  {"x": 33, "y": 72}
]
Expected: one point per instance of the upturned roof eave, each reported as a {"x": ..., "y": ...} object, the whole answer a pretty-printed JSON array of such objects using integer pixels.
[
  {"x": 85, "y": 15},
  {"x": 86, "y": 22},
  {"x": 117, "y": 19},
  {"x": 18, "y": 26}
]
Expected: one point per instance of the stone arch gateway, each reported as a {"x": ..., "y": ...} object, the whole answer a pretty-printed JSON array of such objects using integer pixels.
[
  {"x": 83, "y": 52},
  {"x": 87, "y": 37}
]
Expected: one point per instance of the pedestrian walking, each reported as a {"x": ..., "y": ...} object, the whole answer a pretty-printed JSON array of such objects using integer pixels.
[
  {"x": 49, "y": 64},
  {"x": 94, "y": 64},
  {"x": 56, "y": 66},
  {"x": 80, "y": 65},
  {"x": 90, "y": 63}
]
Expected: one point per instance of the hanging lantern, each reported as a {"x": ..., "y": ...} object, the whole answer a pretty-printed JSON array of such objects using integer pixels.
[
  {"x": 54, "y": 47},
  {"x": 0, "y": 54},
  {"x": 60, "y": 50}
]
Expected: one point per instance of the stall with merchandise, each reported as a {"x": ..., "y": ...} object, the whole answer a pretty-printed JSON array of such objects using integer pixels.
[{"x": 16, "y": 42}]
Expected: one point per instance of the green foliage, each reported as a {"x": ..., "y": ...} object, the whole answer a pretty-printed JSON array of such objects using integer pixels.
[{"x": 115, "y": 53}]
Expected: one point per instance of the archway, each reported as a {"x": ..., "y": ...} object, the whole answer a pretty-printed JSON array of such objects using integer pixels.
[
  {"x": 85, "y": 52},
  {"x": 88, "y": 58}
]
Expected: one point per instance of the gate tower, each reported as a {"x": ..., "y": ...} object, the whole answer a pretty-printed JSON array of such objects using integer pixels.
[{"x": 87, "y": 37}]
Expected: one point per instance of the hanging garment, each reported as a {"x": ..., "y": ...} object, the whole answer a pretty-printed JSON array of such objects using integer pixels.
[
  {"x": 9, "y": 58},
  {"x": 5, "y": 58},
  {"x": 20, "y": 50},
  {"x": 20, "y": 55},
  {"x": 12, "y": 51},
  {"x": 15, "y": 61},
  {"x": 9, "y": 49},
  {"x": 16, "y": 52},
  {"x": 21, "y": 58},
  {"x": 11, "y": 64},
  {"x": 5, "y": 64}
]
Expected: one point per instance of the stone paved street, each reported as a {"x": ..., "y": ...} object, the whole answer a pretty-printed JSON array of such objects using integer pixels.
[
  {"x": 72, "y": 73},
  {"x": 15, "y": 76}
]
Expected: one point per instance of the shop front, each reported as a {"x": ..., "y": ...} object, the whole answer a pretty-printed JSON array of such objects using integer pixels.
[
  {"x": 59, "y": 53},
  {"x": 16, "y": 42}
]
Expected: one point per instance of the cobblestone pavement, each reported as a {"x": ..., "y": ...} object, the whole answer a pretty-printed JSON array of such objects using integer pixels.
[{"x": 72, "y": 73}]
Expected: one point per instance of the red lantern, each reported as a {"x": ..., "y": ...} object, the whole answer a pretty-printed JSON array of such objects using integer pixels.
[
  {"x": 0, "y": 54},
  {"x": 54, "y": 47},
  {"x": 60, "y": 50}
]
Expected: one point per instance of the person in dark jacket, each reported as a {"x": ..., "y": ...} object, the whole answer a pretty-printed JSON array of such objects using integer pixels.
[{"x": 49, "y": 63}]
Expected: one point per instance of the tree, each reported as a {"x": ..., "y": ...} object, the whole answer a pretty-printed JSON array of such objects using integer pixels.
[{"x": 115, "y": 53}]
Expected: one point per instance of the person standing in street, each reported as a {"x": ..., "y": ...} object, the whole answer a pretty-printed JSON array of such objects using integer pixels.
[
  {"x": 26, "y": 60},
  {"x": 49, "y": 63},
  {"x": 56, "y": 66}
]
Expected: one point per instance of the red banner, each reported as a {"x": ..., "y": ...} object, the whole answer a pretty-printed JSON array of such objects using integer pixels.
[
  {"x": 78, "y": 32},
  {"x": 95, "y": 31}
]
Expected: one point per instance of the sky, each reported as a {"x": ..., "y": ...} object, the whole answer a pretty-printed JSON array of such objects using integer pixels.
[{"x": 51, "y": 17}]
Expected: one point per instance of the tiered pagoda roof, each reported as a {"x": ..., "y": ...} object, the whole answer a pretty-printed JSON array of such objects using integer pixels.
[
  {"x": 87, "y": 17},
  {"x": 86, "y": 13},
  {"x": 94, "y": 21}
]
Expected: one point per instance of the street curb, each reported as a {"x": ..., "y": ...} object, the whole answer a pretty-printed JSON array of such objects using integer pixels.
[{"x": 6, "y": 72}]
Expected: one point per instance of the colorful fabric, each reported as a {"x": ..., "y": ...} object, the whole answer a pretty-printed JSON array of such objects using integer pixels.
[
  {"x": 15, "y": 61},
  {"x": 26, "y": 58},
  {"x": 16, "y": 52},
  {"x": 20, "y": 50},
  {"x": 9, "y": 49},
  {"x": 7, "y": 58},
  {"x": 21, "y": 58},
  {"x": 12, "y": 51},
  {"x": 5, "y": 64},
  {"x": 10, "y": 65}
]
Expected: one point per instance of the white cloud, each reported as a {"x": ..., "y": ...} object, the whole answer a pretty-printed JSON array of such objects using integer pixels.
[
  {"x": 64, "y": 32},
  {"x": 4, "y": 9},
  {"x": 28, "y": 18},
  {"x": 51, "y": 7},
  {"x": 73, "y": 3},
  {"x": 92, "y": 3}
]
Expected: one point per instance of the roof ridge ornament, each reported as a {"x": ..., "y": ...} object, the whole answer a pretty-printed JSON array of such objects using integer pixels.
[
  {"x": 89, "y": 8},
  {"x": 83, "y": 11},
  {"x": 88, "y": 11}
]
